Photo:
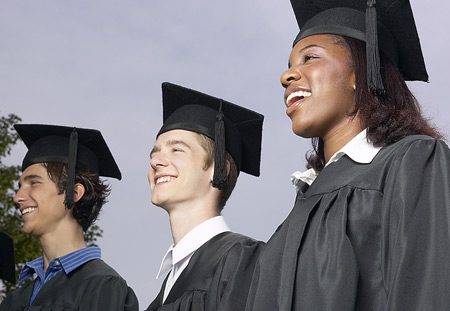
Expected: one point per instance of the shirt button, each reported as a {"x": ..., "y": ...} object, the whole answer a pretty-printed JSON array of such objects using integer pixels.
[{"x": 57, "y": 262}]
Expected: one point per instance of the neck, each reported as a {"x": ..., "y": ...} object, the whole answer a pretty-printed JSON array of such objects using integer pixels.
[
  {"x": 62, "y": 243},
  {"x": 333, "y": 142},
  {"x": 184, "y": 219}
]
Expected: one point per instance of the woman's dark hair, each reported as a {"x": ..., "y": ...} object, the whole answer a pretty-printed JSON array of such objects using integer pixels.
[
  {"x": 88, "y": 207},
  {"x": 387, "y": 119}
]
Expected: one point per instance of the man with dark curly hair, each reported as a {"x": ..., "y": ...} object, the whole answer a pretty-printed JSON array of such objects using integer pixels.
[{"x": 60, "y": 196}]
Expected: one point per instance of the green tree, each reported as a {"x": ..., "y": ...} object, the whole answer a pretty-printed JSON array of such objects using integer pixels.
[{"x": 26, "y": 248}]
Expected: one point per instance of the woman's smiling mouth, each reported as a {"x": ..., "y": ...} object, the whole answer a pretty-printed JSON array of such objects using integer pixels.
[{"x": 296, "y": 96}]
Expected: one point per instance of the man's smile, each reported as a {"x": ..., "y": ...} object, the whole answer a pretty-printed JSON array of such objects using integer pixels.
[
  {"x": 27, "y": 210},
  {"x": 164, "y": 179}
]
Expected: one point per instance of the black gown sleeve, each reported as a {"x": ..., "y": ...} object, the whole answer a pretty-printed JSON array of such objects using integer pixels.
[
  {"x": 19, "y": 299},
  {"x": 109, "y": 293},
  {"x": 416, "y": 228},
  {"x": 231, "y": 282},
  {"x": 92, "y": 286}
]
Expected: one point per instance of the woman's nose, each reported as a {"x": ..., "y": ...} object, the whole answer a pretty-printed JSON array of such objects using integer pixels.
[{"x": 289, "y": 76}]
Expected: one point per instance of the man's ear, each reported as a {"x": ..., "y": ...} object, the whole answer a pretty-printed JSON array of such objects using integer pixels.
[
  {"x": 228, "y": 170},
  {"x": 78, "y": 192}
]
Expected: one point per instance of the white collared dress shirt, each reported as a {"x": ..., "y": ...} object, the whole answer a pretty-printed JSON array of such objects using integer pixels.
[
  {"x": 177, "y": 257},
  {"x": 359, "y": 149}
]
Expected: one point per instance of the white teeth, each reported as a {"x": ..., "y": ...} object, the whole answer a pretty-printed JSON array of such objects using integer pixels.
[
  {"x": 293, "y": 95},
  {"x": 28, "y": 210},
  {"x": 165, "y": 179}
]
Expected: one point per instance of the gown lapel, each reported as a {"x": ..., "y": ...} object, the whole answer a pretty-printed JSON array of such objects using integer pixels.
[
  {"x": 201, "y": 266},
  {"x": 159, "y": 299},
  {"x": 294, "y": 235}
]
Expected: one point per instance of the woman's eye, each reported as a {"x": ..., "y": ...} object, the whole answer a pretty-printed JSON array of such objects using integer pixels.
[{"x": 308, "y": 57}]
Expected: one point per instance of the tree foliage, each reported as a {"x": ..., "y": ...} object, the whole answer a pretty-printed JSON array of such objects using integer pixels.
[{"x": 26, "y": 248}]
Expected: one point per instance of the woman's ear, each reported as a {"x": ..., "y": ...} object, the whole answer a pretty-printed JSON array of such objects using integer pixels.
[
  {"x": 78, "y": 192},
  {"x": 353, "y": 81}
]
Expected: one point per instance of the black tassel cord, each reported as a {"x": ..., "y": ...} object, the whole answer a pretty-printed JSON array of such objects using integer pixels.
[
  {"x": 220, "y": 164},
  {"x": 374, "y": 81},
  {"x": 72, "y": 162}
]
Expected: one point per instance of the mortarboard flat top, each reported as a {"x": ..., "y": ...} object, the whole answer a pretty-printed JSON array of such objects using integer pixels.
[
  {"x": 191, "y": 110},
  {"x": 7, "y": 265},
  {"x": 50, "y": 143},
  {"x": 397, "y": 33}
]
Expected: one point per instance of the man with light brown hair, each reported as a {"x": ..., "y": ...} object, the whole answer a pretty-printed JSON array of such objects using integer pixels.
[{"x": 202, "y": 146}]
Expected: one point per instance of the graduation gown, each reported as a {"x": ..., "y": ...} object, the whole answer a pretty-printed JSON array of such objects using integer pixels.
[
  {"x": 217, "y": 277},
  {"x": 92, "y": 286},
  {"x": 364, "y": 236}
]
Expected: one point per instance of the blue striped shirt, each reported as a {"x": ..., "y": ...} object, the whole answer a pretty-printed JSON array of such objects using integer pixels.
[{"x": 68, "y": 263}]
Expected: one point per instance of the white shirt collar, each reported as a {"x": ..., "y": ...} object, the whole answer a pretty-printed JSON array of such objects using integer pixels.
[
  {"x": 192, "y": 241},
  {"x": 359, "y": 149}
]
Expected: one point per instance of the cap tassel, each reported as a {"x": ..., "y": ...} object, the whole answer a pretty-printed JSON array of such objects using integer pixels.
[
  {"x": 220, "y": 164},
  {"x": 374, "y": 81},
  {"x": 70, "y": 185}
]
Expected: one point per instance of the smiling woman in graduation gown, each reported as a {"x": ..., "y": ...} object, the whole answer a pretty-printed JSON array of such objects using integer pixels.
[{"x": 370, "y": 228}]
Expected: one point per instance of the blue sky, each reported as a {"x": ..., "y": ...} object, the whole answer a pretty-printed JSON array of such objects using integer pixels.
[{"x": 100, "y": 64}]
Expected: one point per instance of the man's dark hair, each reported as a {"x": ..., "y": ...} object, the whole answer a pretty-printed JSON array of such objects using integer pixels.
[
  {"x": 388, "y": 118},
  {"x": 88, "y": 207}
]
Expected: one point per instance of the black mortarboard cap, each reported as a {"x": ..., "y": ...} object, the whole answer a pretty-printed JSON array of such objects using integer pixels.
[
  {"x": 385, "y": 24},
  {"x": 7, "y": 265},
  {"x": 76, "y": 147},
  {"x": 233, "y": 128}
]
